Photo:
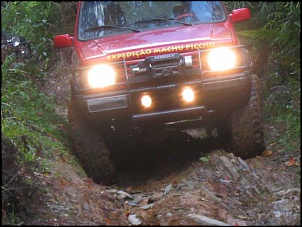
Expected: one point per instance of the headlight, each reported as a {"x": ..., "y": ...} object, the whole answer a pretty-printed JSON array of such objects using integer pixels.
[
  {"x": 101, "y": 76},
  {"x": 15, "y": 41},
  {"x": 221, "y": 59}
]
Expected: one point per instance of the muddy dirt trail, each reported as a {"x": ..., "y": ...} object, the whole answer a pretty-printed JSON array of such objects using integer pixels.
[
  {"x": 178, "y": 181},
  {"x": 177, "y": 188}
]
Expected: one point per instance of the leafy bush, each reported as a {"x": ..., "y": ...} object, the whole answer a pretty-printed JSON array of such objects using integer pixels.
[
  {"x": 25, "y": 111},
  {"x": 274, "y": 30},
  {"x": 31, "y": 135},
  {"x": 31, "y": 130},
  {"x": 39, "y": 22}
]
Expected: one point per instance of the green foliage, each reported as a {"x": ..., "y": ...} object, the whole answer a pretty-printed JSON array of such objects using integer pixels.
[
  {"x": 28, "y": 116},
  {"x": 275, "y": 27},
  {"x": 28, "y": 122},
  {"x": 274, "y": 33},
  {"x": 204, "y": 159},
  {"x": 283, "y": 108},
  {"x": 39, "y": 22}
]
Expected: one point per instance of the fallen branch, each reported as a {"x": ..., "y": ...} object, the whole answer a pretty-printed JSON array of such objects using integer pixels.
[
  {"x": 214, "y": 197},
  {"x": 207, "y": 221},
  {"x": 289, "y": 190}
]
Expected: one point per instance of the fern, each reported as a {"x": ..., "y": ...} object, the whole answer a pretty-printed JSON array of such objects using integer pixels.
[{"x": 271, "y": 37}]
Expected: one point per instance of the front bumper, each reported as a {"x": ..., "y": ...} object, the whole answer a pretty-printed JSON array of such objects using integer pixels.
[
  {"x": 213, "y": 94},
  {"x": 163, "y": 78}
]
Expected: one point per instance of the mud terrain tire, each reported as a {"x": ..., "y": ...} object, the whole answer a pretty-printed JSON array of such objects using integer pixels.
[
  {"x": 88, "y": 147},
  {"x": 246, "y": 127}
]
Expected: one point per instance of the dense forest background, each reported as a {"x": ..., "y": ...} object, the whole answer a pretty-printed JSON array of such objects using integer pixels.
[{"x": 32, "y": 129}]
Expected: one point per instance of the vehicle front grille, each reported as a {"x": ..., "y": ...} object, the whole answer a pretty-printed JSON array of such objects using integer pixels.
[{"x": 155, "y": 67}]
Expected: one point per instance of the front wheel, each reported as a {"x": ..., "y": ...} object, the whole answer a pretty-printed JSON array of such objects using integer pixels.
[
  {"x": 244, "y": 128},
  {"x": 89, "y": 146}
]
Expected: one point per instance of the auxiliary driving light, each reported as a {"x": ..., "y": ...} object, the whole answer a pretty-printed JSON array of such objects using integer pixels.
[
  {"x": 146, "y": 101},
  {"x": 188, "y": 94}
]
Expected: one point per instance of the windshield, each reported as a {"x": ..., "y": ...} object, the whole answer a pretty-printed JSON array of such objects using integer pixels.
[{"x": 106, "y": 18}]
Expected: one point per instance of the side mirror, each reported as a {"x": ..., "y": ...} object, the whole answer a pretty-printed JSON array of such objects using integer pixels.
[
  {"x": 242, "y": 14},
  {"x": 61, "y": 41}
]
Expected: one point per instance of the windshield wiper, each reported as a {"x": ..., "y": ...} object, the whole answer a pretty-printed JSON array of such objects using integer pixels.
[
  {"x": 107, "y": 26},
  {"x": 163, "y": 19}
]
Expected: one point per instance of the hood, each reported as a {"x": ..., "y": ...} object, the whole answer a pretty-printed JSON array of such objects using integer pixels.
[{"x": 161, "y": 41}]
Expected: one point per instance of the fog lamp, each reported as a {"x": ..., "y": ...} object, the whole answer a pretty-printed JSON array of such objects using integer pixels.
[
  {"x": 188, "y": 94},
  {"x": 146, "y": 101}
]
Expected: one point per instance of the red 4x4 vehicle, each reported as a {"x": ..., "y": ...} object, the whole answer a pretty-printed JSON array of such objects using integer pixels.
[{"x": 145, "y": 65}]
